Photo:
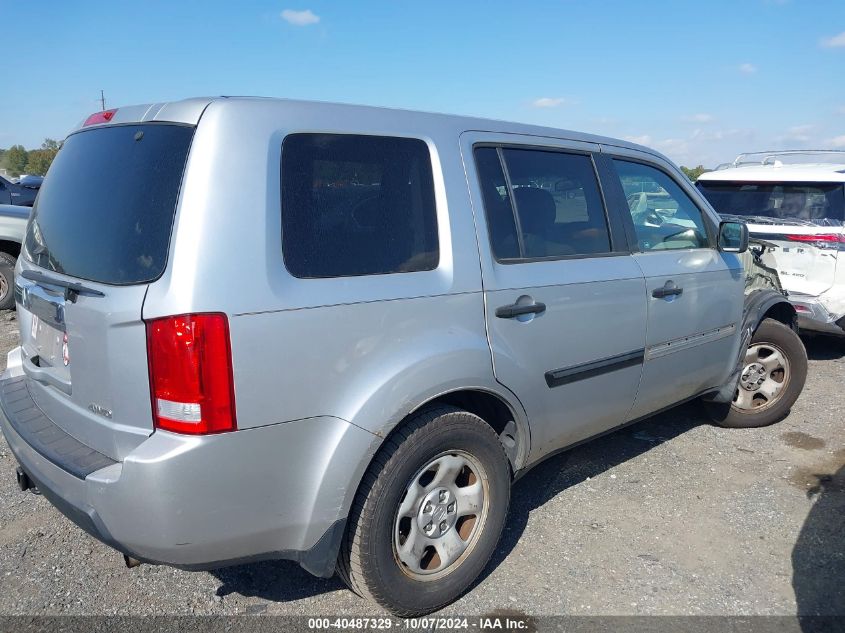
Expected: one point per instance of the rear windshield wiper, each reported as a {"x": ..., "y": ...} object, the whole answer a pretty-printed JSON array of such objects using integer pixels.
[{"x": 72, "y": 289}]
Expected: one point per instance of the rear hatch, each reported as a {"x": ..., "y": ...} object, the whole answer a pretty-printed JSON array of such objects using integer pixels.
[
  {"x": 802, "y": 224},
  {"x": 98, "y": 236}
]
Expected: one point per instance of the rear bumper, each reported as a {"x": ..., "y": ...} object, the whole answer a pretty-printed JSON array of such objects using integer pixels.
[
  {"x": 275, "y": 492},
  {"x": 814, "y": 315}
]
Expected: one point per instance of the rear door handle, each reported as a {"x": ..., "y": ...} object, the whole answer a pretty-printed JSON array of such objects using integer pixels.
[
  {"x": 515, "y": 310},
  {"x": 669, "y": 289}
]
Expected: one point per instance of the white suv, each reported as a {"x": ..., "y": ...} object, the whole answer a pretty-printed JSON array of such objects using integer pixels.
[{"x": 795, "y": 202}]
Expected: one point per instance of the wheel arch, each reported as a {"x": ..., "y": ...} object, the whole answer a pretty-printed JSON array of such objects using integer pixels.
[
  {"x": 497, "y": 407},
  {"x": 759, "y": 305},
  {"x": 505, "y": 416},
  {"x": 10, "y": 247},
  {"x": 492, "y": 405},
  {"x": 767, "y": 304},
  {"x": 782, "y": 311}
]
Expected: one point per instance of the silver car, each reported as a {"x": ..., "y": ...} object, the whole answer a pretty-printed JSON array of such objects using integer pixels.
[{"x": 336, "y": 334}]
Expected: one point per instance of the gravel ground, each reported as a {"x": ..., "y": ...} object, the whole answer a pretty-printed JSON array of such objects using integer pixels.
[{"x": 669, "y": 516}]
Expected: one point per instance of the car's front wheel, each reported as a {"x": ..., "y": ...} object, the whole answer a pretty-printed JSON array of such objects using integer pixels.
[
  {"x": 428, "y": 514},
  {"x": 773, "y": 374}
]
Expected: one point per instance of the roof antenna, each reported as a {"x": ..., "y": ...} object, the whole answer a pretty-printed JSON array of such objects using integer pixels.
[{"x": 102, "y": 101}]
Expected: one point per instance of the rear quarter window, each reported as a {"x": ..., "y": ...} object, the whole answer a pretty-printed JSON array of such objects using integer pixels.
[{"x": 357, "y": 205}]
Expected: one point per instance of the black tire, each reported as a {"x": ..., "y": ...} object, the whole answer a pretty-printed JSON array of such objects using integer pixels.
[
  {"x": 784, "y": 338},
  {"x": 7, "y": 283},
  {"x": 369, "y": 562}
]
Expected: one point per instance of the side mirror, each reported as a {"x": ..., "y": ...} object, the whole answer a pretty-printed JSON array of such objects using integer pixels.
[{"x": 733, "y": 237}]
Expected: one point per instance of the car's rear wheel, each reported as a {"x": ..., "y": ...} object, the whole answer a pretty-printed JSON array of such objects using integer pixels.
[
  {"x": 428, "y": 514},
  {"x": 773, "y": 374},
  {"x": 7, "y": 281}
]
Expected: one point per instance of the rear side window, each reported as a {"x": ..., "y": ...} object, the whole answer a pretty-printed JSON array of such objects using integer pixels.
[
  {"x": 548, "y": 207},
  {"x": 357, "y": 205},
  {"x": 106, "y": 210}
]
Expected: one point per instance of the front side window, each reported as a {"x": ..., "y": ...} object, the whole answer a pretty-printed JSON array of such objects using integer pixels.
[
  {"x": 767, "y": 202},
  {"x": 357, "y": 205},
  {"x": 549, "y": 207},
  {"x": 665, "y": 218}
]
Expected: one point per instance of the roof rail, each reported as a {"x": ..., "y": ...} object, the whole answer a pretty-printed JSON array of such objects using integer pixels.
[{"x": 770, "y": 157}]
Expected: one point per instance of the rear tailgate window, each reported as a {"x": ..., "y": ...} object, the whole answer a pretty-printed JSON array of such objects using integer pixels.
[
  {"x": 105, "y": 211},
  {"x": 807, "y": 203}
]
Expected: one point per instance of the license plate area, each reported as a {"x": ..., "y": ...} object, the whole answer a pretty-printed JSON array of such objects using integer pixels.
[{"x": 49, "y": 344}]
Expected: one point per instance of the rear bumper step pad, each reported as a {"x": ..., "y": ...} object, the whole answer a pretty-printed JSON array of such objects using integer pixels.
[{"x": 47, "y": 439}]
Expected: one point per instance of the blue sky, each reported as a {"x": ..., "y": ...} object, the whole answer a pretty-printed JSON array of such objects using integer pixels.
[{"x": 701, "y": 81}]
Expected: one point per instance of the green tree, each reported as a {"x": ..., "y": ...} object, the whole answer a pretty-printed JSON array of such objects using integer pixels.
[
  {"x": 693, "y": 173},
  {"x": 15, "y": 159},
  {"x": 39, "y": 160}
]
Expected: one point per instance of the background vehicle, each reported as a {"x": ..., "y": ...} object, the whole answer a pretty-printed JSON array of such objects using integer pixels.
[
  {"x": 796, "y": 204},
  {"x": 13, "y": 221},
  {"x": 424, "y": 306},
  {"x": 20, "y": 194},
  {"x": 30, "y": 180}
]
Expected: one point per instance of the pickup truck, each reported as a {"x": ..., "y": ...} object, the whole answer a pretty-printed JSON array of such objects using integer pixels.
[
  {"x": 19, "y": 193},
  {"x": 13, "y": 221}
]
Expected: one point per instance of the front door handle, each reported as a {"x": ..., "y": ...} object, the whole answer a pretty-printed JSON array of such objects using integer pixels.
[
  {"x": 669, "y": 289},
  {"x": 516, "y": 309}
]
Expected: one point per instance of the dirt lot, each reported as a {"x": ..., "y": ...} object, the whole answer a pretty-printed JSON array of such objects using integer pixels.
[{"x": 670, "y": 516}]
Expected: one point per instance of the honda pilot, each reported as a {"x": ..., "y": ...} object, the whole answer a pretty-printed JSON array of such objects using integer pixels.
[{"x": 337, "y": 334}]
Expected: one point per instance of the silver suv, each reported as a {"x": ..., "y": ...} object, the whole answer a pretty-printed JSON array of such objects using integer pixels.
[{"x": 336, "y": 334}]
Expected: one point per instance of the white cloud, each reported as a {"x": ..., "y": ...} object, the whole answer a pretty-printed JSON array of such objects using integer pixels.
[
  {"x": 797, "y": 134},
  {"x": 300, "y": 18},
  {"x": 835, "y": 41},
  {"x": 702, "y": 146},
  {"x": 549, "y": 102},
  {"x": 836, "y": 141},
  {"x": 747, "y": 68},
  {"x": 701, "y": 117},
  {"x": 702, "y": 136},
  {"x": 674, "y": 146}
]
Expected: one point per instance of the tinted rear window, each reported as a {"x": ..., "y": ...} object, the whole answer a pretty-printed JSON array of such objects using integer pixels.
[
  {"x": 357, "y": 205},
  {"x": 820, "y": 203},
  {"x": 106, "y": 209}
]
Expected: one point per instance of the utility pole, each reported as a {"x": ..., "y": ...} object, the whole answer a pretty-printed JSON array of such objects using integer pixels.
[{"x": 102, "y": 101}]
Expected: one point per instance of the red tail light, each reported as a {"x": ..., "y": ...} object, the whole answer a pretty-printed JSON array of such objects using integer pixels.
[
  {"x": 190, "y": 362},
  {"x": 100, "y": 117},
  {"x": 823, "y": 237}
]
